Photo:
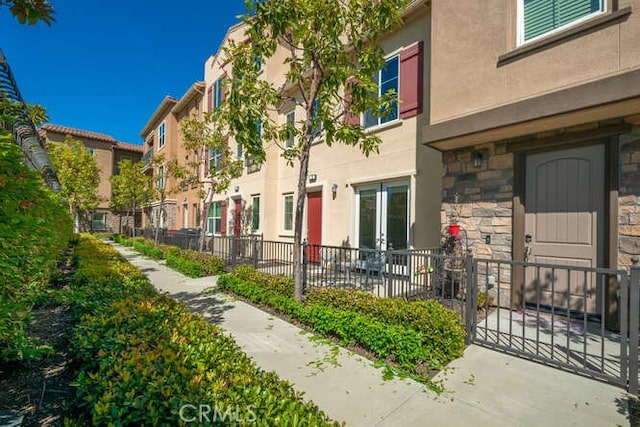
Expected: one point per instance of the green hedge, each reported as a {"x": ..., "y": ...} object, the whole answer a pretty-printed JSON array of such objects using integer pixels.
[
  {"x": 142, "y": 357},
  {"x": 188, "y": 262},
  {"x": 35, "y": 229},
  {"x": 415, "y": 335}
]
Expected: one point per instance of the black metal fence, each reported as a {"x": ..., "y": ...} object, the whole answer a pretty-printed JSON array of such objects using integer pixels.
[{"x": 581, "y": 319}]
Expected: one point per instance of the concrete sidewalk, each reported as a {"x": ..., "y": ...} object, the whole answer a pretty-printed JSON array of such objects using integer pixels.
[{"x": 484, "y": 388}]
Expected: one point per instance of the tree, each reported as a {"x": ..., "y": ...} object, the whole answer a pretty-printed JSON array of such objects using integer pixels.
[
  {"x": 131, "y": 188},
  {"x": 30, "y": 11},
  {"x": 200, "y": 136},
  {"x": 79, "y": 176},
  {"x": 331, "y": 55}
]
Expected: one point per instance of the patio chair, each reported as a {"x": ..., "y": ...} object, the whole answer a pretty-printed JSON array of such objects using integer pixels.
[{"x": 376, "y": 263}]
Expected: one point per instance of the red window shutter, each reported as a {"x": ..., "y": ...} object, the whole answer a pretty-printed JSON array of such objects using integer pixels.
[
  {"x": 210, "y": 98},
  {"x": 411, "y": 77},
  {"x": 206, "y": 162},
  {"x": 223, "y": 218},
  {"x": 350, "y": 118}
]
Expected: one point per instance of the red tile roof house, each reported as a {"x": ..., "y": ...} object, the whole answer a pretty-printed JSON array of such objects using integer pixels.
[{"x": 108, "y": 152}]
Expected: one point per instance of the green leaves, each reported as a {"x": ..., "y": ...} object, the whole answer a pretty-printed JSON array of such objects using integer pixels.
[
  {"x": 35, "y": 229},
  {"x": 78, "y": 173},
  {"x": 142, "y": 356},
  {"x": 30, "y": 11}
]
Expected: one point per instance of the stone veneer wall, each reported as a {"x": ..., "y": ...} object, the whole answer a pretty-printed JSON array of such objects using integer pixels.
[
  {"x": 629, "y": 199},
  {"x": 486, "y": 203},
  {"x": 486, "y": 198}
]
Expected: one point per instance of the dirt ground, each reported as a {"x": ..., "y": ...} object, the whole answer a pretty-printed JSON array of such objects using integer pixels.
[{"x": 39, "y": 390}]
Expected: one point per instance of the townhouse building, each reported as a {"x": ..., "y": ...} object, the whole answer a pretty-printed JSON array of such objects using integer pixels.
[
  {"x": 535, "y": 106},
  {"x": 389, "y": 200},
  {"x": 108, "y": 152},
  {"x": 164, "y": 143}
]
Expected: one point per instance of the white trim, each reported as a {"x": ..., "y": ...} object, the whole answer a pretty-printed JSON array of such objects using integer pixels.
[
  {"x": 398, "y": 176},
  {"x": 395, "y": 54},
  {"x": 520, "y": 41},
  {"x": 162, "y": 135}
]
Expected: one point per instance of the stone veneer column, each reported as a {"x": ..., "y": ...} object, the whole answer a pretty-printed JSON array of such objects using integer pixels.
[
  {"x": 629, "y": 199},
  {"x": 486, "y": 203}
]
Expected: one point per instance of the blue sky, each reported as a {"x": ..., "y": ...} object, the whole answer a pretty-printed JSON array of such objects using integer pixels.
[{"x": 105, "y": 66}]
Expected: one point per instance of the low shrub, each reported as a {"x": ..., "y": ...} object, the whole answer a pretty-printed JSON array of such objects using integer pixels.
[
  {"x": 143, "y": 357},
  {"x": 188, "y": 262},
  {"x": 418, "y": 336},
  {"x": 442, "y": 327}
]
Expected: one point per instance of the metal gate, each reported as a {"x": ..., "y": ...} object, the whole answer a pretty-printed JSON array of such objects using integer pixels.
[{"x": 558, "y": 315}]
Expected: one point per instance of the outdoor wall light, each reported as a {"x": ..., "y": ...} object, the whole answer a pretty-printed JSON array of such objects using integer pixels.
[
  {"x": 313, "y": 177},
  {"x": 334, "y": 190},
  {"x": 476, "y": 159},
  {"x": 236, "y": 188}
]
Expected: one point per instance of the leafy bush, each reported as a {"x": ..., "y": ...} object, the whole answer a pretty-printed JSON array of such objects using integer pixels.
[
  {"x": 188, "y": 262},
  {"x": 442, "y": 327},
  {"x": 35, "y": 229},
  {"x": 415, "y": 335},
  {"x": 142, "y": 356}
]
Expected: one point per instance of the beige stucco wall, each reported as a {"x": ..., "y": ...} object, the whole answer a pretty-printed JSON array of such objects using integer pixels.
[
  {"x": 402, "y": 158},
  {"x": 466, "y": 46}
]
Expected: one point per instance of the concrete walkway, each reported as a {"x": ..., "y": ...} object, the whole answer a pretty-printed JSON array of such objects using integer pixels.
[{"x": 484, "y": 388}]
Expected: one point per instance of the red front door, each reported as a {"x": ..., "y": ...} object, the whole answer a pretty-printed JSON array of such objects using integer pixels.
[
  {"x": 237, "y": 215},
  {"x": 314, "y": 225}
]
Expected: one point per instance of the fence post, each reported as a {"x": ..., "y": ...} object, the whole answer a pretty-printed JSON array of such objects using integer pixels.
[
  {"x": 254, "y": 251},
  {"x": 470, "y": 312},
  {"x": 234, "y": 251},
  {"x": 634, "y": 327},
  {"x": 304, "y": 265}
]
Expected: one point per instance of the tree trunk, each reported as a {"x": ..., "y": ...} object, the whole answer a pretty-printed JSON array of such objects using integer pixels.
[{"x": 298, "y": 262}]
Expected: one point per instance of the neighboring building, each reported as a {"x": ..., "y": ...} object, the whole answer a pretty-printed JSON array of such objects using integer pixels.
[
  {"x": 162, "y": 136},
  {"x": 536, "y": 107},
  {"x": 108, "y": 152},
  {"x": 387, "y": 200}
]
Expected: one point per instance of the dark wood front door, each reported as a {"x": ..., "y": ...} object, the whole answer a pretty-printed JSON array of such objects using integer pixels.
[{"x": 564, "y": 219}]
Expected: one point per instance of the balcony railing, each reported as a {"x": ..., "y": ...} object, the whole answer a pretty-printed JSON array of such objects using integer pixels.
[{"x": 147, "y": 157}]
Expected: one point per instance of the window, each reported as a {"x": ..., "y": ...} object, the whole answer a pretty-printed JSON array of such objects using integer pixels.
[
  {"x": 91, "y": 151},
  {"x": 387, "y": 80},
  {"x": 214, "y": 219},
  {"x": 99, "y": 221},
  {"x": 215, "y": 95},
  {"x": 239, "y": 150},
  {"x": 161, "y": 131},
  {"x": 160, "y": 177},
  {"x": 291, "y": 122},
  {"x": 537, "y": 18},
  {"x": 288, "y": 212},
  {"x": 317, "y": 129},
  {"x": 255, "y": 213},
  {"x": 215, "y": 160}
]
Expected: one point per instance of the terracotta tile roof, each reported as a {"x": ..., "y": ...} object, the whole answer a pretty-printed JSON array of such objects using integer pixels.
[
  {"x": 129, "y": 147},
  {"x": 78, "y": 132}
]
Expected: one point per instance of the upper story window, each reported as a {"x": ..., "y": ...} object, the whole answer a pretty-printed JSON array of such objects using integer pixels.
[
  {"x": 239, "y": 150},
  {"x": 291, "y": 122},
  {"x": 215, "y": 95},
  {"x": 215, "y": 160},
  {"x": 91, "y": 151},
  {"x": 538, "y": 18},
  {"x": 161, "y": 132},
  {"x": 387, "y": 79}
]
